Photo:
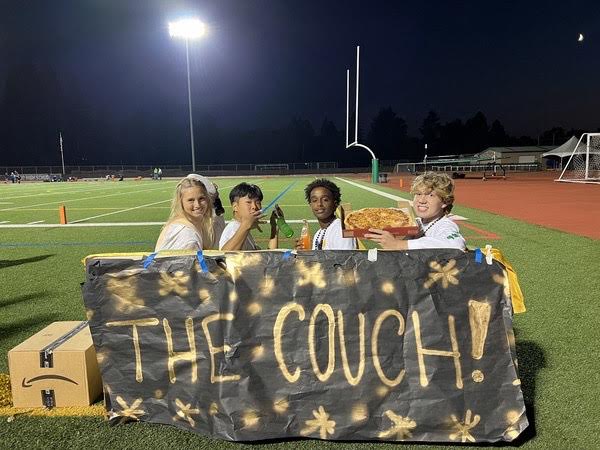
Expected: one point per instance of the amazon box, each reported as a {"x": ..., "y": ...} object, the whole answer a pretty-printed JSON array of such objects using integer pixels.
[{"x": 55, "y": 367}]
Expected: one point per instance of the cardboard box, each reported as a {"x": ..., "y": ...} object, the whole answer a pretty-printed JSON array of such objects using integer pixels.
[
  {"x": 411, "y": 229},
  {"x": 55, "y": 367}
]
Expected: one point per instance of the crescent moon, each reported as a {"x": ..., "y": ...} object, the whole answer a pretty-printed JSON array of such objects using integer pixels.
[{"x": 580, "y": 38}]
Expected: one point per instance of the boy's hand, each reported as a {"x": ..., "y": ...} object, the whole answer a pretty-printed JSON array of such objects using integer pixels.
[
  {"x": 278, "y": 211},
  {"x": 273, "y": 222},
  {"x": 253, "y": 221},
  {"x": 383, "y": 238}
]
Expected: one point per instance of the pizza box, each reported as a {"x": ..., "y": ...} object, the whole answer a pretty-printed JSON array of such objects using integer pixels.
[
  {"x": 404, "y": 206},
  {"x": 55, "y": 367}
]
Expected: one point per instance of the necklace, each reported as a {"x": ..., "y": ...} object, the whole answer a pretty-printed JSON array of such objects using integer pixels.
[
  {"x": 320, "y": 236},
  {"x": 432, "y": 223}
]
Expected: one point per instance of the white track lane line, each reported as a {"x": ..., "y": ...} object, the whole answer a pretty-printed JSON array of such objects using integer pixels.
[{"x": 34, "y": 222}]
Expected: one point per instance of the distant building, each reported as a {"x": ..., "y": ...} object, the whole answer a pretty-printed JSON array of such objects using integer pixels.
[{"x": 527, "y": 154}]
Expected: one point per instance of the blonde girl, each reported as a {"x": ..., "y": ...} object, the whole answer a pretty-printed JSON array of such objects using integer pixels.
[{"x": 190, "y": 225}]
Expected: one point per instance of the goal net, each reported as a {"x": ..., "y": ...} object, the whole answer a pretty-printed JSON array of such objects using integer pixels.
[{"x": 583, "y": 166}]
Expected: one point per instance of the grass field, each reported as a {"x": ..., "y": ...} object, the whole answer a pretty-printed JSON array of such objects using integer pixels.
[{"x": 40, "y": 273}]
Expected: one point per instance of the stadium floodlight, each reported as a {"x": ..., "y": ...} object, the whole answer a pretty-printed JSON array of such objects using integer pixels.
[{"x": 188, "y": 29}]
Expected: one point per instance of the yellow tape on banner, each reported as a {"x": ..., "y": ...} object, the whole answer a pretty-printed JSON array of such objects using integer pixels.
[{"x": 516, "y": 295}]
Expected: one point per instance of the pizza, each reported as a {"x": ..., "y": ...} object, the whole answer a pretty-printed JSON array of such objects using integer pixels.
[{"x": 376, "y": 218}]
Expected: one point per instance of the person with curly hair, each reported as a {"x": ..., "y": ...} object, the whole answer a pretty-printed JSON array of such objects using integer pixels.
[
  {"x": 323, "y": 197},
  {"x": 433, "y": 199}
]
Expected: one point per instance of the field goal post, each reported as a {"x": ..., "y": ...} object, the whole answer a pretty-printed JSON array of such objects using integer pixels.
[{"x": 583, "y": 165}]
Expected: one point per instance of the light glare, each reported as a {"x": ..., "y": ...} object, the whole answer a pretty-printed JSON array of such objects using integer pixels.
[{"x": 187, "y": 29}]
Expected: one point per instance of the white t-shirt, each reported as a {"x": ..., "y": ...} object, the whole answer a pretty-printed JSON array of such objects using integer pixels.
[
  {"x": 442, "y": 234},
  {"x": 332, "y": 238},
  {"x": 230, "y": 231},
  {"x": 178, "y": 236}
]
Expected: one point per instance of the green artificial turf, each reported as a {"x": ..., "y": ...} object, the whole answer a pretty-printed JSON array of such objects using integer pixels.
[{"x": 41, "y": 272}]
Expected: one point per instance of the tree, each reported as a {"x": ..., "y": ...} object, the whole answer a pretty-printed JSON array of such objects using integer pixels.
[
  {"x": 498, "y": 136},
  {"x": 301, "y": 136},
  {"x": 452, "y": 138},
  {"x": 430, "y": 130},
  {"x": 476, "y": 133},
  {"x": 387, "y": 135}
]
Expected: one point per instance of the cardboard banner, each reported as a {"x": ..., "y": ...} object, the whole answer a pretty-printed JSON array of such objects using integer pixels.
[{"x": 351, "y": 345}]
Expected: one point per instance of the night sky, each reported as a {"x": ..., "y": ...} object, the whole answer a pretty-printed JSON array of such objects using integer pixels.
[{"x": 264, "y": 62}]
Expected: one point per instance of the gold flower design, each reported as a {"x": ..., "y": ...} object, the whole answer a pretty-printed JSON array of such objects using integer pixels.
[
  {"x": 185, "y": 412},
  {"x": 176, "y": 283},
  {"x": 321, "y": 423},
  {"x": 462, "y": 429},
  {"x": 401, "y": 427},
  {"x": 447, "y": 274},
  {"x": 311, "y": 275},
  {"x": 123, "y": 292},
  {"x": 129, "y": 411}
]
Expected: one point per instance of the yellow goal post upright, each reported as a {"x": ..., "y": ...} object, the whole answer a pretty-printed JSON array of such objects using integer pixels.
[
  {"x": 583, "y": 165},
  {"x": 374, "y": 160}
]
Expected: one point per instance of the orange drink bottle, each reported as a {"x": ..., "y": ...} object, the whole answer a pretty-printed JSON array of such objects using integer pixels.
[{"x": 305, "y": 236}]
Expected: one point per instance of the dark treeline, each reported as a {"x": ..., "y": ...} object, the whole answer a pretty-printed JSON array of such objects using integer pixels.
[{"x": 35, "y": 105}]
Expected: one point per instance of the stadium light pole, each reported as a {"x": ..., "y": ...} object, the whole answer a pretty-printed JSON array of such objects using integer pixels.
[{"x": 189, "y": 30}]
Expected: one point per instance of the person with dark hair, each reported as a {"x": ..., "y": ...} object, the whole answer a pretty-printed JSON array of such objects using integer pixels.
[
  {"x": 246, "y": 203},
  {"x": 323, "y": 197}
]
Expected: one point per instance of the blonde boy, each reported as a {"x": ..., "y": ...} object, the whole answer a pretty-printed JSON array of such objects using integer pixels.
[{"x": 433, "y": 200}]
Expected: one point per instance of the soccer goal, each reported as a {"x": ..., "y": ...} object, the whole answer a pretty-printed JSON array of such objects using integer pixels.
[{"x": 583, "y": 165}]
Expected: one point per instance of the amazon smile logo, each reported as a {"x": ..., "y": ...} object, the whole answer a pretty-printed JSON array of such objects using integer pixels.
[{"x": 27, "y": 384}]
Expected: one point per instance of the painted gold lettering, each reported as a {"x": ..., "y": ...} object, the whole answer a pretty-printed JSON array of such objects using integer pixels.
[
  {"x": 375, "y": 348},
  {"x": 214, "y": 378},
  {"x": 181, "y": 356},
  {"x": 278, "y": 331},
  {"x": 139, "y": 374},
  {"x": 454, "y": 353},
  {"x": 328, "y": 311},
  {"x": 353, "y": 380}
]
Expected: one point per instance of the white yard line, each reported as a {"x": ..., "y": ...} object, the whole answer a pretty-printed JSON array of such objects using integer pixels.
[
  {"x": 370, "y": 189},
  {"x": 120, "y": 211},
  {"x": 5, "y": 221},
  {"x": 73, "y": 190},
  {"x": 108, "y": 224},
  {"x": 56, "y": 202},
  {"x": 77, "y": 225},
  {"x": 37, "y": 221},
  {"x": 127, "y": 209}
]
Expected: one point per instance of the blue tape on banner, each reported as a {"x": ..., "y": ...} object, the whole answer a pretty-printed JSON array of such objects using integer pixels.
[
  {"x": 287, "y": 255},
  {"x": 149, "y": 260},
  {"x": 478, "y": 256},
  {"x": 202, "y": 261},
  {"x": 281, "y": 194}
]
